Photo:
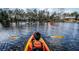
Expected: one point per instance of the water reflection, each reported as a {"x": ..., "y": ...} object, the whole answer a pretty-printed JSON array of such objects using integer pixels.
[{"x": 70, "y": 31}]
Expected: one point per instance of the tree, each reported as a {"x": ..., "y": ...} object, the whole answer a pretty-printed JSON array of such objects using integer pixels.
[
  {"x": 75, "y": 14},
  {"x": 4, "y": 18}
]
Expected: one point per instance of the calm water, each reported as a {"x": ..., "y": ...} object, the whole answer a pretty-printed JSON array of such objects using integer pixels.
[{"x": 70, "y": 31}]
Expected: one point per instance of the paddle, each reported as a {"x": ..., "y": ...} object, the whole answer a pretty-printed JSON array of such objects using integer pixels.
[
  {"x": 52, "y": 36},
  {"x": 57, "y": 37},
  {"x": 13, "y": 37}
]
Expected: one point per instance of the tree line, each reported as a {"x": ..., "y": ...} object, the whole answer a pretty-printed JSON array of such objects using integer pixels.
[{"x": 9, "y": 15}]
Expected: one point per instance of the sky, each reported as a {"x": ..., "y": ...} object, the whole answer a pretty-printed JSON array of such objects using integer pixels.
[
  {"x": 66, "y": 10},
  {"x": 72, "y": 10}
]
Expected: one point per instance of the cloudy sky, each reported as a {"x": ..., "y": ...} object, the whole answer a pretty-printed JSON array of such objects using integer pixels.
[{"x": 67, "y": 10}]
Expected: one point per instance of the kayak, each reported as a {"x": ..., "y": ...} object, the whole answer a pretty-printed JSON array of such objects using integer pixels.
[{"x": 30, "y": 40}]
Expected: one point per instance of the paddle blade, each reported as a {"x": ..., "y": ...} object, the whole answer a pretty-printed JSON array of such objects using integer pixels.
[
  {"x": 14, "y": 37},
  {"x": 57, "y": 37}
]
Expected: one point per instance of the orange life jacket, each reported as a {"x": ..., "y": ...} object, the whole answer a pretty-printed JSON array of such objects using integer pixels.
[{"x": 37, "y": 45}]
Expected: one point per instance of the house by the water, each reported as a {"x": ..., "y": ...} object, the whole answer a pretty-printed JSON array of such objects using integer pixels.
[{"x": 71, "y": 19}]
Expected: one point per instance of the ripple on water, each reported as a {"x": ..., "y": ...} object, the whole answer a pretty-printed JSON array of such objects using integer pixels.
[{"x": 70, "y": 31}]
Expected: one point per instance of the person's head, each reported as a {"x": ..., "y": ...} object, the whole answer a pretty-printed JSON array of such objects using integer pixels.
[{"x": 37, "y": 35}]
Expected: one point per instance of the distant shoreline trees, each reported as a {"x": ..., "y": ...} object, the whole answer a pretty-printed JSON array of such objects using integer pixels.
[{"x": 7, "y": 16}]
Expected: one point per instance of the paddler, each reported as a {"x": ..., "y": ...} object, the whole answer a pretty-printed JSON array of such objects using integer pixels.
[{"x": 37, "y": 44}]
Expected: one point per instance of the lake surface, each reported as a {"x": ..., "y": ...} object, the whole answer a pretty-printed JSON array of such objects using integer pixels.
[{"x": 70, "y": 31}]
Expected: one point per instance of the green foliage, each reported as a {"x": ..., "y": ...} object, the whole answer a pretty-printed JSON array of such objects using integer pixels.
[{"x": 34, "y": 14}]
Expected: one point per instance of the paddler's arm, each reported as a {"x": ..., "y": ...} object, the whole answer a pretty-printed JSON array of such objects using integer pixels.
[
  {"x": 28, "y": 45},
  {"x": 45, "y": 47}
]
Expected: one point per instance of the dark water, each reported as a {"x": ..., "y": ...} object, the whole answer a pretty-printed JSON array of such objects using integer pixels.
[{"x": 70, "y": 31}]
